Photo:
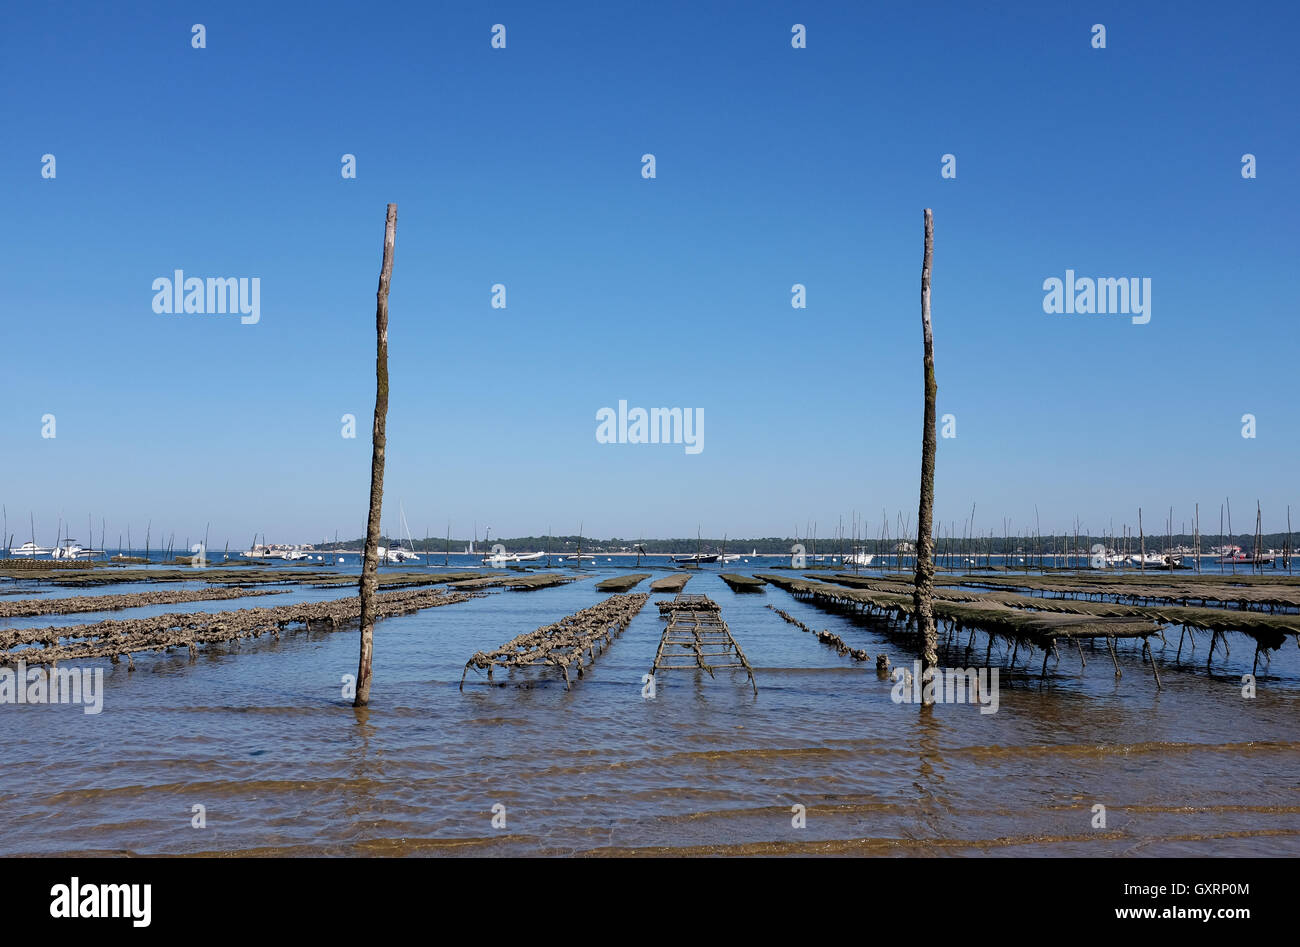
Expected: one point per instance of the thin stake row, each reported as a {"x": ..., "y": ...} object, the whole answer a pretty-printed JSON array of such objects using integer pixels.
[{"x": 826, "y": 637}]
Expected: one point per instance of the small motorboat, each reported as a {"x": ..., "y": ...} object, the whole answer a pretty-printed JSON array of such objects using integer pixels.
[
  {"x": 68, "y": 549},
  {"x": 1157, "y": 560},
  {"x": 1234, "y": 555},
  {"x": 506, "y": 558}
]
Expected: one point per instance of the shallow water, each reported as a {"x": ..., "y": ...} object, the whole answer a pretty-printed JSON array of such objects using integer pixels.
[{"x": 261, "y": 736}]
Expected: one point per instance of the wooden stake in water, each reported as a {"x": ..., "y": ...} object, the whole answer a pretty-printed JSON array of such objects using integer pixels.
[
  {"x": 1169, "y": 540},
  {"x": 923, "y": 595},
  {"x": 1233, "y": 556},
  {"x": 1196, "y": 544},
  {"x": 1259, "y": 536},
  {"x": 1142, "y": 563},
  {"x": 370, "y": 562}
]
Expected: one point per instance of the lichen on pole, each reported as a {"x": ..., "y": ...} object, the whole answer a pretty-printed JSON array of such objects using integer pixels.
[
  {"x": 370, "y": 564},
  {"x": 923, "y": 594}
]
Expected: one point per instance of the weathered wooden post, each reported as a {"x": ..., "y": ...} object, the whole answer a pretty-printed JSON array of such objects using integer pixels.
[
  {"x": 370, "y": 564},
  {"x": 1196, "y": 543},
  {"x": 1142, "y": 539},
  {"x": 923, "y": 594}
]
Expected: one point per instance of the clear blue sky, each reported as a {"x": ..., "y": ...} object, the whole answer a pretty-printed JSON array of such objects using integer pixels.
[{"x": 522, "y": 166}]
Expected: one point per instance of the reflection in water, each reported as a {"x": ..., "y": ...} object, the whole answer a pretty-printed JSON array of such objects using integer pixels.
[
  {"x": 362, "y": 800},
  {"x": 260, "y": 735},
  {"x": 929, "y": 782}
]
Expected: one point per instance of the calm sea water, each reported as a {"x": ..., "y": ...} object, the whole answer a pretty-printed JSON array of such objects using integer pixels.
[{"x": 261, "y": 736}]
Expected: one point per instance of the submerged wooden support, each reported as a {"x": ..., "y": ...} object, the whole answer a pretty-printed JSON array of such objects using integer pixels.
[
  {"x": 1146, "y": 645},
  {"x": 695, "y": 624},
  {"x": 115, "y": 637},
  {"x": 564, "y": 642},
  {"x": 825, "y": 637},
  {"x": 1041, "y": 621},
  {"x": 71, "y": 605}
]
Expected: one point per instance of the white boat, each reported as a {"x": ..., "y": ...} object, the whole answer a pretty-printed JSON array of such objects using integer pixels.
[
  {"x": 1156, "y": 560},
  {"x": 506, "y": 558},
  {"x": 859, "y": 559},
  {"x": 71, "y": 549},
  {"x": 396, "y": 556},
  {"x": 401, "y": 553},
  {"x": 29, "y": 549},
  {"x": 726, "y": 559}
]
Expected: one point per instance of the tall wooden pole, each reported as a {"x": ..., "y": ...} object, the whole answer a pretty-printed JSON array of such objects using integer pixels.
[
  {"x": 923, "y": 595},
  {"x": 1221, "y": 544},
  {"x": 1143, "y": 540},
  {"x": 1169, "y": 541},
  {"x": 370, "y": 564},
  {"x": 1259, "y": 533},
  {"x": 1228, "y": 500},
  {"x": 1291, "y": 550},
  {"x": 1196, "y": 544}
]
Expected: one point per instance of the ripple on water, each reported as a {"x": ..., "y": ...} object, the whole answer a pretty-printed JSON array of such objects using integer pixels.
[{"x": 263, "y": 738}]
